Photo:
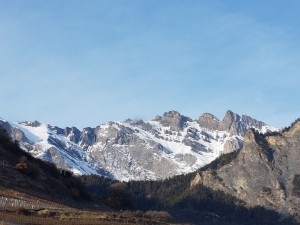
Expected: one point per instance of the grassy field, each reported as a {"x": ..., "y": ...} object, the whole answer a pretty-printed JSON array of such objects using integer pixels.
[{"x": 47, "y": 217}]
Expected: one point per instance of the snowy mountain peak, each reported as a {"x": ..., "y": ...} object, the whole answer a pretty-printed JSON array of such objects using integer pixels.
[{"x": 136, "y": 149}]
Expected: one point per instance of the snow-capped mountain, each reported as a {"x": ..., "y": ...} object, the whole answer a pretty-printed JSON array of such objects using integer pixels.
[{"x": 135, "y": 149}]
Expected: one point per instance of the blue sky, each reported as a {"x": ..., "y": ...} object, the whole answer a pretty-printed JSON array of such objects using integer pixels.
[{"x": 83, "y": 63}]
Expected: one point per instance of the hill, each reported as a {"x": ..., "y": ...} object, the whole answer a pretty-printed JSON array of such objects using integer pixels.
[{"x": 36, "y": 192}]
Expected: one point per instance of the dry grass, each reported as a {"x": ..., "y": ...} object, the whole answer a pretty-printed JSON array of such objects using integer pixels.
[{"x": 48, "y": 217}]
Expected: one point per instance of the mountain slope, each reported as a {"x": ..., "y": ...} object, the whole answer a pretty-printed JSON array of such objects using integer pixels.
[
  {"x": 265, "y": 171},
  {"x": 169, "y": 145}
]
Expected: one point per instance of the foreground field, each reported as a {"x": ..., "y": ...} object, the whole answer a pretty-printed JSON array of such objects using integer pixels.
[{"x": 75, "y": 217}]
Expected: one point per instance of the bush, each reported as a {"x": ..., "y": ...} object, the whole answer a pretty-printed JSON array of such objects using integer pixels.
[
  {"x": 161, "y": 216},
  {"x": 23, "y": 211},
  {"x": 22, "y": 165},
  {"x": 46, "y": 213},
  {"x": 26, "y": 168},
  {"x": 128, "y": 213}
]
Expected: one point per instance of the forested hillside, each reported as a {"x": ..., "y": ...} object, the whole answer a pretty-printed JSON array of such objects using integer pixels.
[{"x": 186, "y": 203}]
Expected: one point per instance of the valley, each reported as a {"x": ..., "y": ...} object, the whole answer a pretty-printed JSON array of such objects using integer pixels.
[{"x": 255, "y": 183}]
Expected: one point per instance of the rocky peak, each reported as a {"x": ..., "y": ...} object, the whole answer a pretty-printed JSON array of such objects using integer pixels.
[
  {"x": 229, "y": 118},
  {"x": 128, "y": 120},
  {"x": 252, "y": 122},
  {"x": 232, "y": 124},
  {"x": 174, "y": 120},
  {"x": 255, "y": 148},
  {"x": 72, "y": 130},
  {"x": 73, "y": 133},
  {"x": 209, "y": 121},
  {"x": 57, "y": 130},
  {"x": 87, "y": 137},
  {"x": 141, "y": 124},
  {"x": 249, "y": 136},
  {"x": 172, "y": 114}
]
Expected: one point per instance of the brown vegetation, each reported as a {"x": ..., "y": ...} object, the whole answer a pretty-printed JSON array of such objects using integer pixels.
[
  {"x": 161, "y": 216},
  {"x": 118, "y": 198},
  {"x": 75, "y": 217},
  {"x": 22, "y": 165},
  {"x": 23, "y": 211}
]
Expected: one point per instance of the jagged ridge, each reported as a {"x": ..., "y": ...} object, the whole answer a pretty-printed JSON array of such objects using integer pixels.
[
  {"x": 263, "y": 172},
  {"x": 135, "y": 149}
]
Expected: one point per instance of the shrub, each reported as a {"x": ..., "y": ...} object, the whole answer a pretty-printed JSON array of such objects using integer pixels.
[
  {"x": 159, "y": 216},
  {"x": 22, "y": 165},
  {"x": 23, "y": 211},
  {"x": 27, "y": 168},
  {"x": 46, "y": 213},
  {"x": 128, "y": 213}
]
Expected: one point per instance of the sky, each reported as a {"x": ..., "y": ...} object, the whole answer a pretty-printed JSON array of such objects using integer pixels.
[{"x": 84, "y": 63}]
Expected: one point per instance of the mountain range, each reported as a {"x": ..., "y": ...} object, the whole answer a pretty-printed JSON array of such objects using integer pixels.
[{"x": 168, "y": 145}]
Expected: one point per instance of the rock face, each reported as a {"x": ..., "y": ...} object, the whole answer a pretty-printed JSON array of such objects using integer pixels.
[
  {"x": 174, "y": 120},
  {"x": 209, "y": 121},
  {"x": 232, "y": 144},
  {"x": 232, "y": 123},
  {"x": 169, "y": 145},
  {"x": 14, "y": 132},
  {"x": 263, "y": 172},
  {"x": 253, "y": 122}
]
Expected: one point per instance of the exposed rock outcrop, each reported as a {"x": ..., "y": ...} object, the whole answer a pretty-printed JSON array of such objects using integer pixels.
[
  {"x": 263, "y": 172},
  {"x": 253, "y": 122},
  {"x": 232, "y": 144},
  {"x": 232, "y": 123},
  {"x": 173, "y": 119},
  {"x": 14, "y": 132},
  {"x": 209, "y": 121}
]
